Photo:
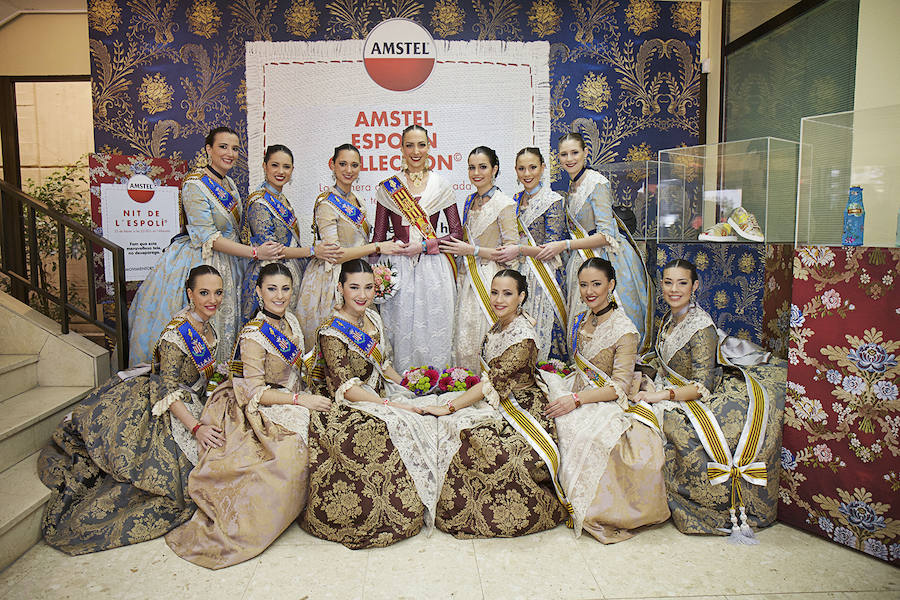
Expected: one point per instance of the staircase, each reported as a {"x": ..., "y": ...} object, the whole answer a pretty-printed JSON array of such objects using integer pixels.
[{"x": 42, "y": 374}]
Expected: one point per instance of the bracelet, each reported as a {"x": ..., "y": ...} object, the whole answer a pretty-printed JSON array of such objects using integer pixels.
[
  {"x": 385, "y": 401},
  {"x": 671, "y": 394},
  {"x": 296, "y": 398},
  {"x": 253, "y": 253},
  {"x": 450, "y": 406},
  {"x": 377, "y": 249},
  {"x": 569, "y": 245},
  {"x": 196, "y": 427},
  {"x": 577, "y": 401},
  {"x": 475, "y": 252},
  {"x": 424, "y": 247},
  {"x": 312, "y": 250},
  {"x": 520, "y": 250}
]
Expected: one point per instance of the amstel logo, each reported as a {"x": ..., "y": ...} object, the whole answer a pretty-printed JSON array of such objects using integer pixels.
[
  {"x": 399, "y": 54},
  {"x": 141, "y": 188}
]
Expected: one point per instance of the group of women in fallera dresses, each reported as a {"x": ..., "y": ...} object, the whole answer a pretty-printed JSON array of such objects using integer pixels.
[{"x": 267, "y": 386}]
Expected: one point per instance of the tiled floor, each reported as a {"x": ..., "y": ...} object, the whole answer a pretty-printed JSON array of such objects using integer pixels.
[{"x": 660, "y": 563}]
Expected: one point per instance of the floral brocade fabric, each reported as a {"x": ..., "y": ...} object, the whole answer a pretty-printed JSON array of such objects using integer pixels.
[
  {"x": 697, "y": 506},
  {"x": 116, "y": 474},
  {"x": 840, "y": 468},
  {"x": 497, "y": 485},
  {"x": 360, "y": 492}
]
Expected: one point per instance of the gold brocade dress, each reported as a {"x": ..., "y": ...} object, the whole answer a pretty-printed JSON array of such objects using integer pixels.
[
  {"x": 249, "y": 490},
  {"x": 361, "y": 492},
  {"x": 494, "y": 224},
  {"x": 611, "y": 464},
  {"x": 697, "y": 506},
  {"x": 496, "y": 484},
  {"x": 118, "y": 467},
  {"x": 318, "y": 292}
]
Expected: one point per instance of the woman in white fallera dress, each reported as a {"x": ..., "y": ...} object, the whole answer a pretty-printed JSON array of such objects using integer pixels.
[
  {"x": 419, "y": 318},
  {"x": 489, "y": 220}
]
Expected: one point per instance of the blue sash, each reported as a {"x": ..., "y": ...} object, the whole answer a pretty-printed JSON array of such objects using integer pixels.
[
  {"x": 574, "y": 336},
  {"x": 360, "y": 338},
  {"x": 200, "y": 353},
  {"x": 349, "y": 210},
  {"x": 284, "y": 213},
  {"x": 224, "y": 196},
  {"x": 285, "y": 347}
]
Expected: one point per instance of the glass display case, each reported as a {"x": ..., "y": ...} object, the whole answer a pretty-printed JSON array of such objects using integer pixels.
[
  {"x": 635, "y": 186},
  {"x": 842, "y": 150},
  {"x": 750, "y": 185}
]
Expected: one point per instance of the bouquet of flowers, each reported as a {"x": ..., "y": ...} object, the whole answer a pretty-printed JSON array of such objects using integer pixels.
[
  {"x": 219, "y": 375},
  {"x": 554, "y": 366},
  {"x": 386, "y": 283},
  {"x": 457, "y": 379},
  {"x": 420, "y": 380}
]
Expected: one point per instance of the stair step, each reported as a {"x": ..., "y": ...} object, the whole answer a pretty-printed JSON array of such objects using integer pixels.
[
  {"x": 22, "y": 499},
  {"x": 28, "y": 419},
  {"x": 18, "y": 373}
]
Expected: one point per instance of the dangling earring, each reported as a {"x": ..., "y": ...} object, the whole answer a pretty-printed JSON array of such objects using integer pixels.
[
  {"x": 259, "y": 299},
  {"x": 191, "y": 306},
  {"x": 403, "y": 165},
  {"x": 610, "y": 297},
  {"x": 339, "y": 302},
  {"x": 519, "y": 309}
]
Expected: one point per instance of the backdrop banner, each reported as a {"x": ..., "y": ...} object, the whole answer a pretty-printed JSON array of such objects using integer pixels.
[{"x": 314, "y": 96}]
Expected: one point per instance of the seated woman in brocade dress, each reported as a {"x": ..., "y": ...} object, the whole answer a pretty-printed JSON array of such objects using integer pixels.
[
  {"x": 489, "y": 220},
  {"x": 269, "y": 217},
  {"x": 338, "y": 218},
  {"x": 690, "y": 389},
  {"x": 500, "y": 482},
  {"x": 368, "y": 455},
  {"x": 419, "y": 318},
  {"x": 611, "y": 462},
  {"x": 118, "y": 466},
  {"x": 212, "y": 209},
  {"x": 250, "y": 489},
  {"x": 541, "y": 215}
]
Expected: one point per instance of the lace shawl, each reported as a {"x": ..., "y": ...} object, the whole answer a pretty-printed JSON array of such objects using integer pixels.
[
  {"x": 479, "y": 220},
  {"x": 436, "y": 196},
  {"x": 497, "y": 340},
  {"x": 538, "y": 205},
  {"x": 186, "y": 393},
  {"x": 674, "y": 339}
]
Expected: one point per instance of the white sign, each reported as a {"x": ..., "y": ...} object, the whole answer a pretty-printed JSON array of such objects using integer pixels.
[
  {"x": 314, "y": 96},
  {"x": 141, "y": 217}
]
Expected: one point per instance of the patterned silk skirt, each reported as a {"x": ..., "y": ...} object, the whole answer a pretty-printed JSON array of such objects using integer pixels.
[
  {"x": 497, "y": 485},
  {"x": 247, "y": 492},
  {"x": 631, "y": 493},
  {"x": 697, "y": 506},
  {"x": 116, "y": 474},
  {"x": 360, "y": 492}
]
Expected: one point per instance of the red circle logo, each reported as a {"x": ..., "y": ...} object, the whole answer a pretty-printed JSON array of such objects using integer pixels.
[
  {"x": 141, "y": 188},
  {"x": 399, "y": 54}
]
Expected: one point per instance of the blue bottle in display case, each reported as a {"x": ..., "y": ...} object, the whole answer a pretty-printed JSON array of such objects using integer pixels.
[{"x": 854, "y": 218}]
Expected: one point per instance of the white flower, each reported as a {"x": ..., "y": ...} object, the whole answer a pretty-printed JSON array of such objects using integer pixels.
[
  {"x": 810, "y": 409},
  {"x": 885, "y": 390},
  {"x": 831, "y": 299},
  {"x": 888, "y": 279},
  {"x": 796, "y": 387},
  {"x": 833, "y": 376},
  {"x": 855, "y": 385},
  {"x": 864, "y": 278}
]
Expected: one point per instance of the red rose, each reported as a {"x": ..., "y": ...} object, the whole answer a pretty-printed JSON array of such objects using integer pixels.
[
  {"x": 404, "y": 382},
  {"x": 471, "y": 380},
  {"x": 548, "y": 367}
]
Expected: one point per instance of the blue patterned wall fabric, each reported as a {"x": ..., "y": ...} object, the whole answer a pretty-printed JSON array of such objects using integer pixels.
[
  {"x": 623, "y": 72},
  {"x": 732, "y": 277}
]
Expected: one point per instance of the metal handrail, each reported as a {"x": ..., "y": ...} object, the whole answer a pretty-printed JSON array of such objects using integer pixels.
[{"x": 19, "y": 200}]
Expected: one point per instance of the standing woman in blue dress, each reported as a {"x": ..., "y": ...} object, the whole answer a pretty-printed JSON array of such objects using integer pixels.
[
  {"x": 212, "y": 210},
  {"x": 541, "y": 216},
  {"x": 269, "y": 217},
  {"x": 595, "y": 231}
]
